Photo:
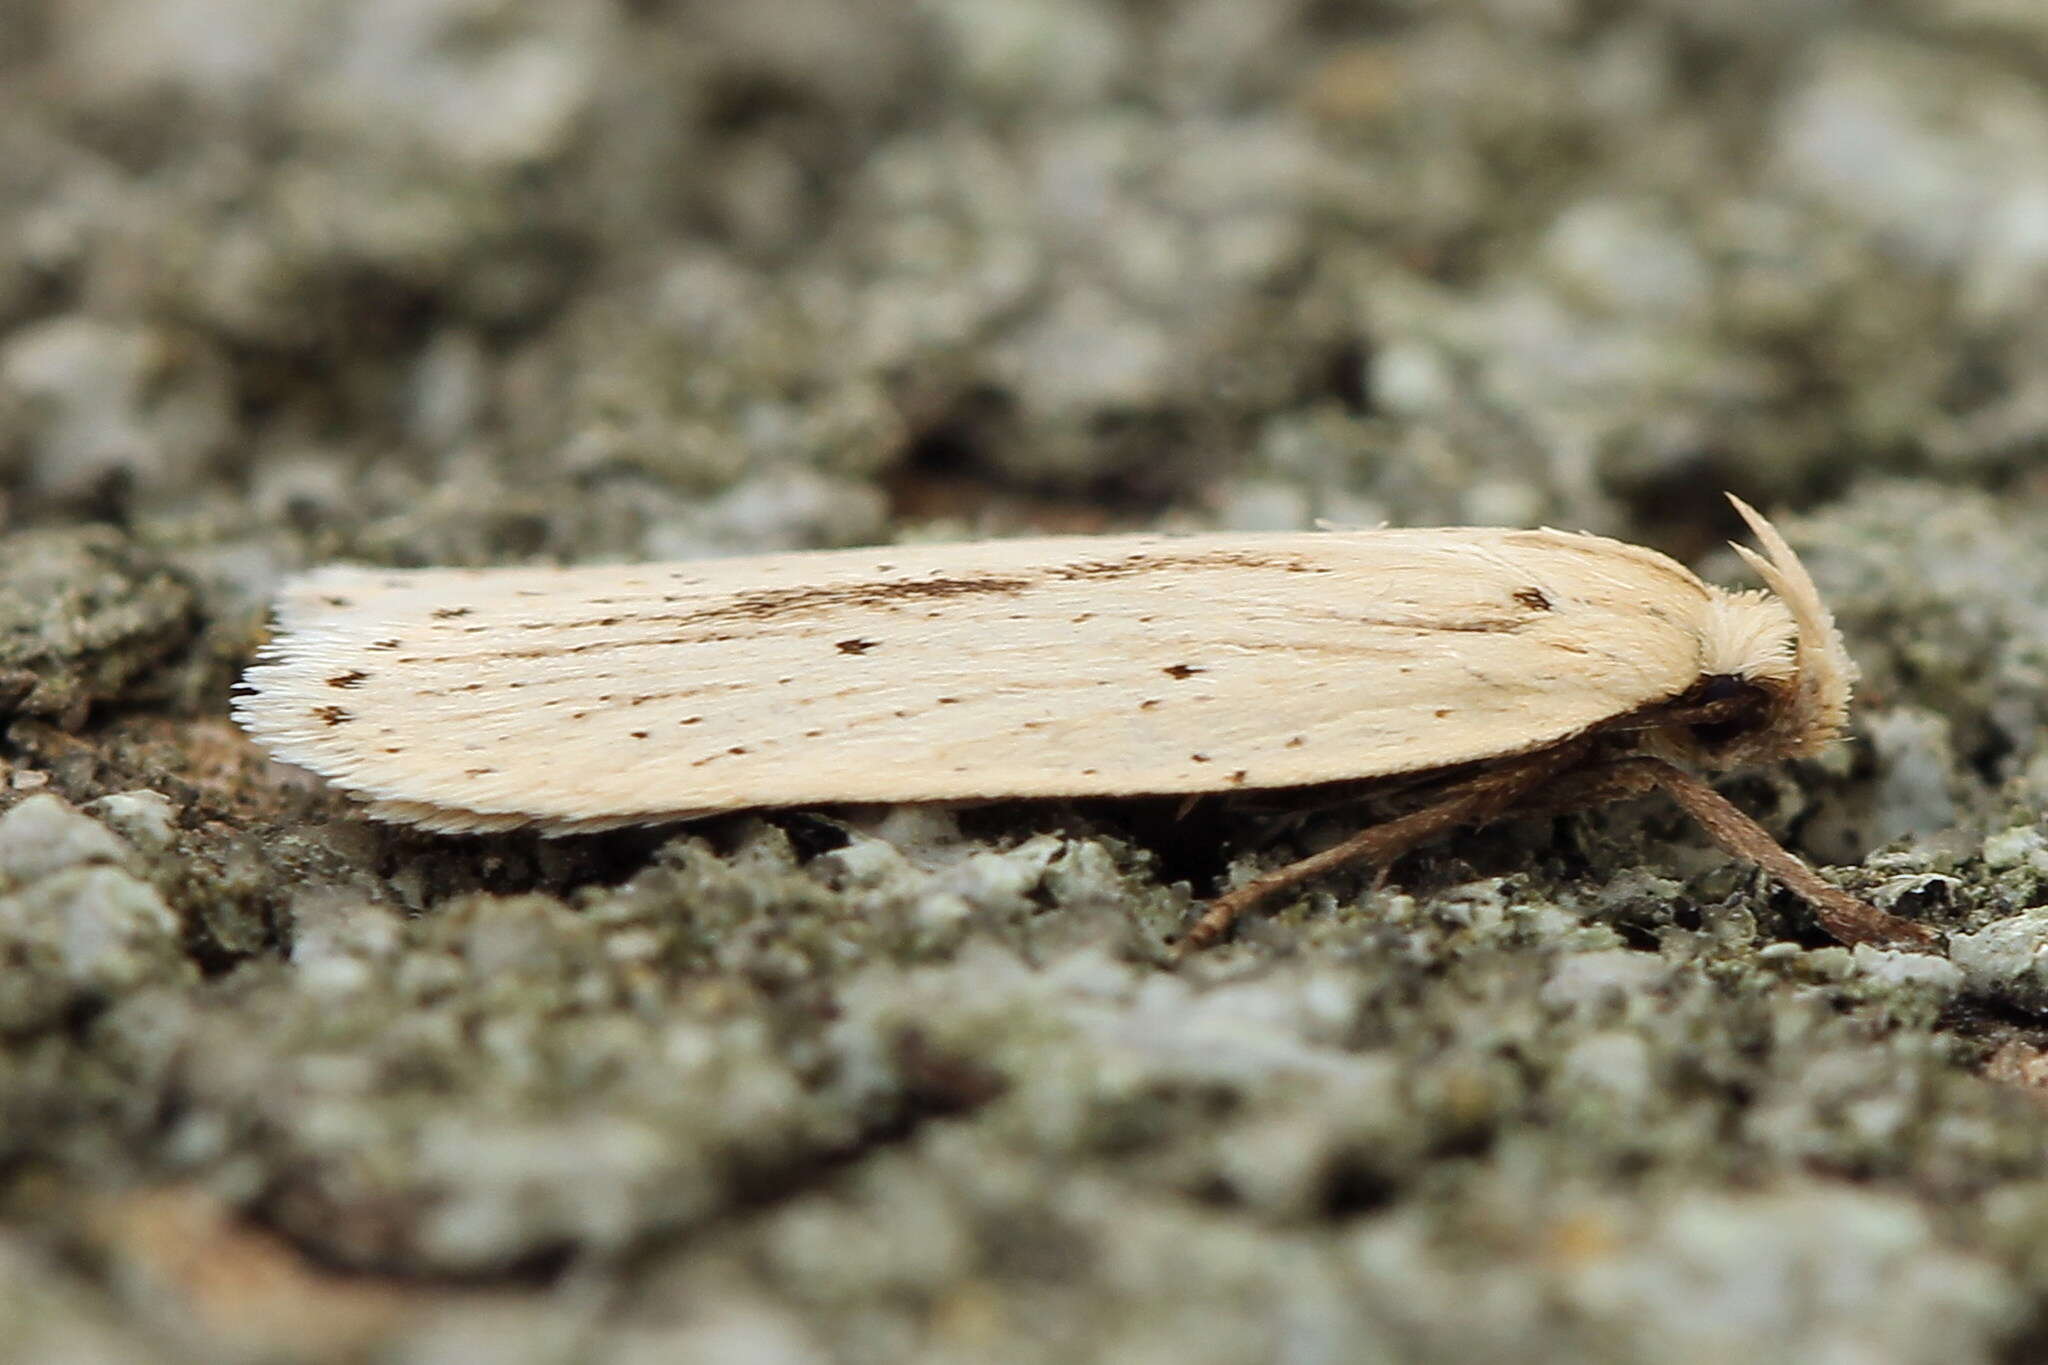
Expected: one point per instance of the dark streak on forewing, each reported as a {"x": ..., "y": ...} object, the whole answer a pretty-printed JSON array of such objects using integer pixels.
[
  {"x": 770, "y": 604},
  {"x": 763, "y": 606}
]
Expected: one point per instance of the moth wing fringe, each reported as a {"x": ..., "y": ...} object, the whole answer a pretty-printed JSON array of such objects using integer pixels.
[{"x": 438, "y": 819}]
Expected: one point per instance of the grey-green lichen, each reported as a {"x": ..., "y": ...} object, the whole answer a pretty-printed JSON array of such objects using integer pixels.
[
  {"x": 77, "y": 926},
  {"x": 469, "y": 282},
  {"x": 85, "y": 617}
]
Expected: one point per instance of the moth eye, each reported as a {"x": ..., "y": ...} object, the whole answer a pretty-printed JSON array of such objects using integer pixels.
[
  {"x": 1727, "y": 708},
  {"x": 1721, "y": 687}
]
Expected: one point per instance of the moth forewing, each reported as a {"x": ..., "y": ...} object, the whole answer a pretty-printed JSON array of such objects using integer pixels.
[
  {"x": 581, "y": 698},
  {"x": 1037, "y": 668}
]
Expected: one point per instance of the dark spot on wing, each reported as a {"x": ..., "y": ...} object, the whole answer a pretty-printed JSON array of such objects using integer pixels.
[
  {"x": 353, "y": 678},
  {"x": 332, "y": 715},
  {"x": 1531, "y": 598},
  {"x": 1182, "y": 671},
  {"x": 449, "y": 613},
  {"x": 855, "y": 646}
]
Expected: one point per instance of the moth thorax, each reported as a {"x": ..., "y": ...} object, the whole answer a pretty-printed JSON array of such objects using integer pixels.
[{"x": 1750, "y": 636}]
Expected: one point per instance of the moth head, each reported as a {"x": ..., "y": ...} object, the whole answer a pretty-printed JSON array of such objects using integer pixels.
[{"x": 1775, "y": 661}]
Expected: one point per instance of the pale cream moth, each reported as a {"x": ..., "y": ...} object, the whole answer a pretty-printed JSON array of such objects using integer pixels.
[{"x": 1483, "y": 669}]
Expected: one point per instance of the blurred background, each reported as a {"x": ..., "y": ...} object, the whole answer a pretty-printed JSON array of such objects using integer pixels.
[{"x": 466, "y": 280}]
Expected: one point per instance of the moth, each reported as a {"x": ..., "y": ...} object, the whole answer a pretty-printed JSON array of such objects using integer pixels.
[{"x": 1474, "y": 670}]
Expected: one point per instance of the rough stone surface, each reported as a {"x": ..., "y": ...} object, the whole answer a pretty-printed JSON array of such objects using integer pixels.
[
  {"x": 85, "y": 617},
  {"x": 42, "y": 835},
  {"x": 75, "y": 927},
  {"x": 493, "y": 281},
  {"x": 2007, "y": 960}
]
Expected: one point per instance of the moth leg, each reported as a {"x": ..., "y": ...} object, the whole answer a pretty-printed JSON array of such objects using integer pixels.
[
  {"x": 1474, "y": 802},
  {"x": 1846, "y": 917},
  {"x": 1467, "y": 803}
]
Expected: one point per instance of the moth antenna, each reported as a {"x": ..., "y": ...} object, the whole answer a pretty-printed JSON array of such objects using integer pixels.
[{"x": 1826, "y": 672}]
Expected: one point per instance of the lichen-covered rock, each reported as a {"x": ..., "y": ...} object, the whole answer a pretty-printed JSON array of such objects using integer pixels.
[
  {"x": 1761, "y": 1275},
  {"x": 1944, "y": 599},
  {"x": 41, "y": 835},
  {"x": 76, "y": 926},
  {"x": 50, "y": 1316},
  {"x": 492, "y": 281},
  {"x": 85, "y": 617},
  {"x": 2007, "y": 960},
  {"x": 146, "y": 819},
  {"x": 88, "y": 406}
]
